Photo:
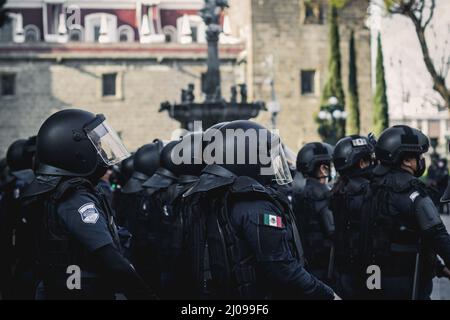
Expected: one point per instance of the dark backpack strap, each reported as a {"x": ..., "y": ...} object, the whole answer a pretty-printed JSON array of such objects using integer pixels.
[
  {"x": 286, "y": 210},
  {"x": 241, "y": 273},
  {"x": 110, "y": 218},
  {"x": 71, "y": 184}
]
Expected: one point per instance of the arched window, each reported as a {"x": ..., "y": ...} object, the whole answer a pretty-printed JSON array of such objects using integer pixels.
[
  {"x": 6, "y": 31},
  {"x": 32, "y": 33},
  {"x": 126, "y": 33},
  {"x": 101, "y": 27},
  {"x": 171, "y": 33},
  {"x": 197, "y": 26},
  {"x": 76, "y": 34},
  {"x": 12, "y": 30}
]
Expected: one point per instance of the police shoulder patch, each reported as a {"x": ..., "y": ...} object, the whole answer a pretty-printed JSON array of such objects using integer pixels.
[
  {"x": 89, "y": 213},
  {"x": 414, "y": 195}
]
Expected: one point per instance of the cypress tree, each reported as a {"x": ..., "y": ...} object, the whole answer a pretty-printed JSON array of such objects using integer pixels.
[
  {"x": 329, "y": 130},
  {"x": 333, "y": 86},
  {"x": 381, "y": 108},
  {"x": 353, "y": 120}
]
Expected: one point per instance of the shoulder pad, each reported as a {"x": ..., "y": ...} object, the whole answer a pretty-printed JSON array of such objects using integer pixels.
[
  {"x": 380, "y": 170},
  {"x": 403, "y": 182},
  {"x": 357, "y": 185},
  {"x": 132, "y": 186},
  {"x": 208, "y": 182},
  {"x": 246, "y": 184},
  {"x": 40, "y": 185},
  {"x": 72, "y": 185},
  {"x": 159, "y": 181},
  {"x": 26, "y": 175}
]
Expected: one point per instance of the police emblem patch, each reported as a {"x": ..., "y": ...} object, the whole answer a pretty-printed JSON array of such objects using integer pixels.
[
  {"x": 89, "y": 213},
  {"x": 359, "y": 142}
]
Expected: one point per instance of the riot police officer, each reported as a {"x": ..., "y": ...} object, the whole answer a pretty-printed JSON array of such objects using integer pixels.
[
  {"x": 13, "y": 220},
  {"x": 353, "y": 160},
  {"x": 122, "y": 172},
  {"x": 160, "y": 191},
  {"x": 136, "y": 212},
  {"x": 402, "y": 230},
  {"x": 253, "y": 245},
  {"x": 78, "y": 234},
  {"x": 311, "y": 207},
  {"x": 189, "y": 165}
]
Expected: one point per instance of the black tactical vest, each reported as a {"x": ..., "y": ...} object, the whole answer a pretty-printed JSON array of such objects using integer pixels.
[
  {"x": 347, "y": 206},
  {"x": 57, "y": 250},
  {"x": 229, "y": 258},
  {"x": 390, "y": 234},
  {"x": 307, "y": 206}
]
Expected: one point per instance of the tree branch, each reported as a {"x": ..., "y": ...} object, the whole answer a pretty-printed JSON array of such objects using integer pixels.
[
  {"x": 432, "y": 8},
  {"x": 438, "y": 80}
]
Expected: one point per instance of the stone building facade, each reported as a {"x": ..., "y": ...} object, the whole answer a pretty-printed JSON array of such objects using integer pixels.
[
  {"x": 287, "y": 41},
  {"x": 116, "y": 60},
  {"x": 124, "y": 57}
]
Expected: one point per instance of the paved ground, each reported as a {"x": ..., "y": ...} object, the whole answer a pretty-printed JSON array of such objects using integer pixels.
[{"x": 441, "y": 288}]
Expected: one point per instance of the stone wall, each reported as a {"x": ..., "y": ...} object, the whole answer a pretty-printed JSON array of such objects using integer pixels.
[
  {"x": 278, "y": 30},
  {"x": 45, "y": 84}
]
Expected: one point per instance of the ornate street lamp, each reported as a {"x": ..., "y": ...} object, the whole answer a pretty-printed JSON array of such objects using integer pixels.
[{"x": 331, "y": 120}]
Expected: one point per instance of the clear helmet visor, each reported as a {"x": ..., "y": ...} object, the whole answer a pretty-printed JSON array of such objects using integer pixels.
[
  {"x": 279, "y": 162},
  {"x": 108, "y": 144}
]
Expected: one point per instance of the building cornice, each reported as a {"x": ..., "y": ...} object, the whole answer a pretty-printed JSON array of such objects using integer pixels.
[
  {"x": 109, "y": 4},
  {"x": 89, "y": 51}
]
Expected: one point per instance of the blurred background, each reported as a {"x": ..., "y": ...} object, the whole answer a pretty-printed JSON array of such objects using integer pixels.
[{"x": 124, "y": 58}]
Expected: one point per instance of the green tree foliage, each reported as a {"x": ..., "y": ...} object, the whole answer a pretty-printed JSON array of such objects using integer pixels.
[
  {"x": 333, "y": 86},
  {"x": 330, "y": 130},
  {"x": 381, "y": 108},
  {"x": 353, "y": 120}
]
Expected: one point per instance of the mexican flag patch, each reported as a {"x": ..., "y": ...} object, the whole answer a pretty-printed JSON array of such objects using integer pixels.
[{"x": 271, "y": 220}]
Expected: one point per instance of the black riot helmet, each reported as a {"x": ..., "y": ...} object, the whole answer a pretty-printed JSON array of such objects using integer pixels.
[
  {"x": 30, "y": 151},
  {"x": 146, "y": 159},
  {"x": 127, "y": 168},
  {"x": 166, "y": 158},
  {"x": 188, "y": 155},
  {"x": 312, "y": 155},
  {"x": 3, "y": 164},
  {"x": 74, "y": 142},
  {"x": 349, "y": 151},
  {"x": 398, "y": 141},
  {"x": 248, "y": 149},
  {"x": 17, "y": 156}
]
